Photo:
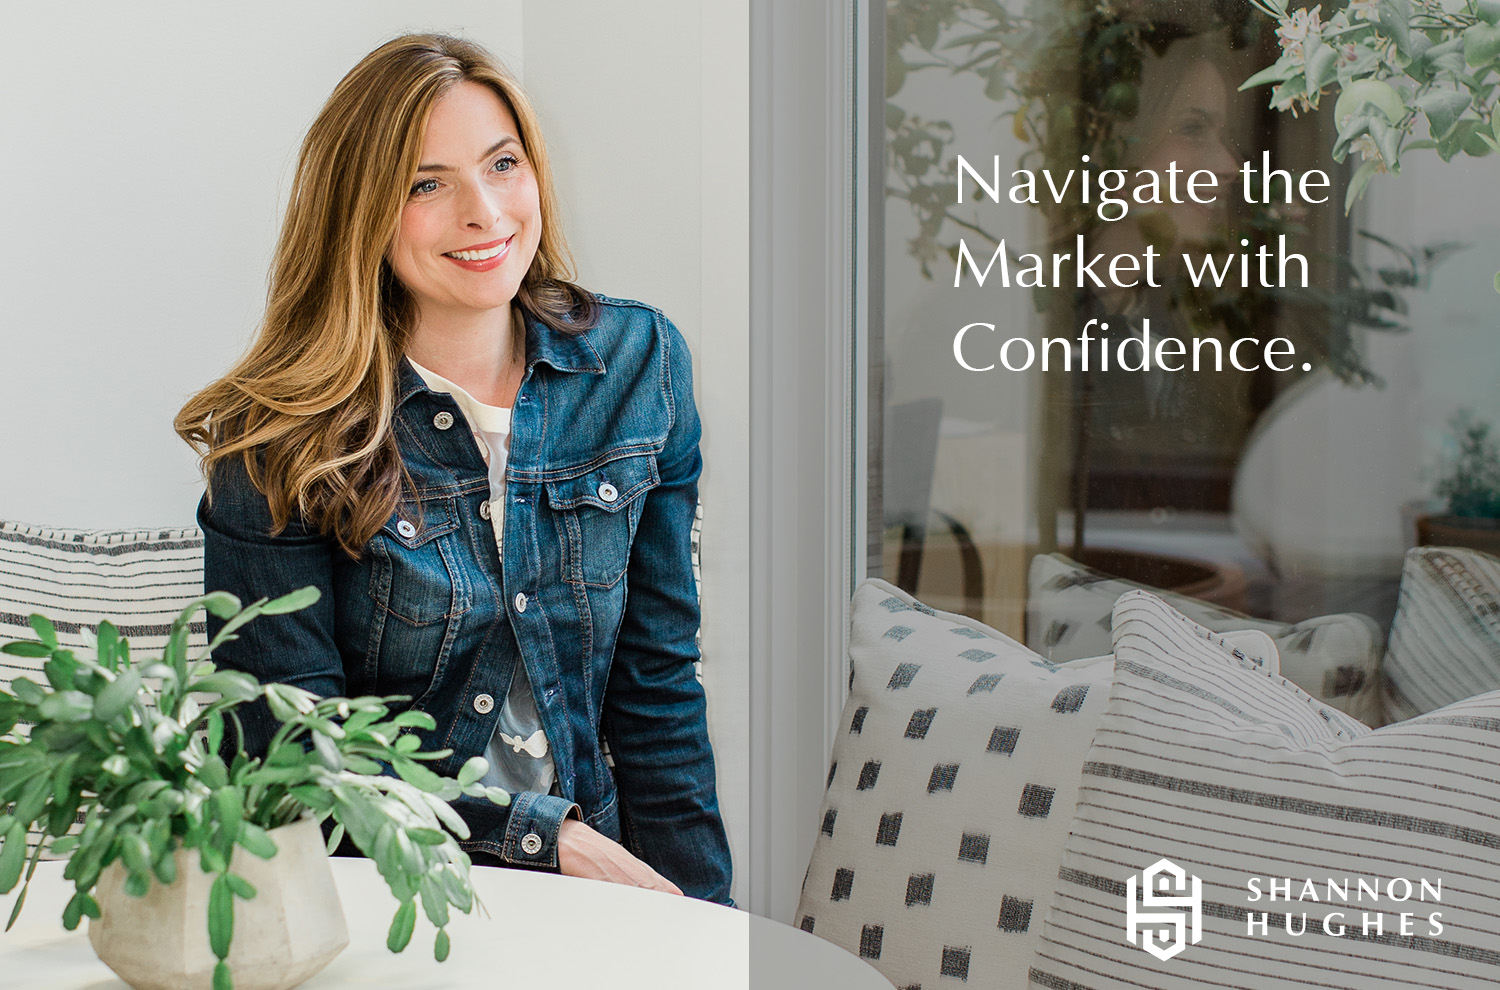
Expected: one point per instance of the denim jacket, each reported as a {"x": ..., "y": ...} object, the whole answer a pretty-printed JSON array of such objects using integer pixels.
[{"x": 595, "y": 589}]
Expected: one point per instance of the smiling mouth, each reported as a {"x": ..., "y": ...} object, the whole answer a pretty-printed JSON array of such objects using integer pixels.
[{"x": 480, "y": 254}]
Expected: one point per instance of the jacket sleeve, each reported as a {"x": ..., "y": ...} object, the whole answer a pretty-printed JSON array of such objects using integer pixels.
[
  {"x": 656, "y": 717},
  {"x": 242, "y": 557}
]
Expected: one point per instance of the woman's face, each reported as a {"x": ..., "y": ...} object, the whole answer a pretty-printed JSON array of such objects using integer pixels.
[
  {"x": 1190, "y": 133},
  {"x": 472, "y": 219}
]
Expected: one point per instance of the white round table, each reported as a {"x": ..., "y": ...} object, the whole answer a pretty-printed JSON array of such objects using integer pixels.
[{"x": 542, "y": 930}]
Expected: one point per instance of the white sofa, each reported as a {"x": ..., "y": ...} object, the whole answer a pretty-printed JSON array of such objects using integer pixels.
[{"x": 986, "y": 810}]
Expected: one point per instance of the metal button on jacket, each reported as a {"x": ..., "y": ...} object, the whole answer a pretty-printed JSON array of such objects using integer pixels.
[
  {"x": 443, "y": 420},
  {"x": 484, "y": 510},
  {"x": 531, "y": 843},
  {"x": 608, "y": 492},
  {"x": 484, "y": 704},
  {"x": 520, "y": 601},
  {"x": 406, "y": 529}
]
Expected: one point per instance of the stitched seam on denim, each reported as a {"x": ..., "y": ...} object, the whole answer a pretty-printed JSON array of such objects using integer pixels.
[
  {"x": 551, "y": 654},
  {"x": 377, "y": 622},
  {"x": 569, "y": 544},
  {"x": 622, "y": 499},
  {"x": 614, "y": 799},
  {"x": 448, "y": 616},
  {"x": 451, "y": 620},
  {"x": 425, "y": 534},
  {"x": 456, "y": 489},
  {"x": 629, "y": 547},
  {"x": 594, "y": 464},
  {"x": 415, "y": 435},
  {"x": 483, "y": 845},
  {"x": 496, "y": 581},
  {"x": 586, "y": 649},
  {"x": 467, "y": 711},
  {"x": 414, "y": 438},
  {"x": 519, "y": 807},
  {"x": 658, "y": 320}
]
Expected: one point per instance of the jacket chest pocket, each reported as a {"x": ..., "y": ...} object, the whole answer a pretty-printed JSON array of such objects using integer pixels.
[
  {"x": 411, "y": 575},
  {"x": 597, "y": 516},
  {"x": 418, "y": 592}
]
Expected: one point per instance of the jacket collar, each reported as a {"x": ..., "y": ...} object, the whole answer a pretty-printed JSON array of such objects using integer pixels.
[
  {"x": 570, "y": 352},
  {"x": 564, "y": 351}
]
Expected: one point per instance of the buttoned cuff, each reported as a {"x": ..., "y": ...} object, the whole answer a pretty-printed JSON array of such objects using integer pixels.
[{"x": 531, "y": 833}]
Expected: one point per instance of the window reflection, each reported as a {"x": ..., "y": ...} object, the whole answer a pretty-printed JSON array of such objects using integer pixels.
[{"x": 1271, "y": 499}]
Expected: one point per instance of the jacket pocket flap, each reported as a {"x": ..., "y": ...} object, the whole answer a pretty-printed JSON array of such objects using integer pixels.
[
  {"x": 610, "y": 487},
  {"x": 417, "y": 523}
]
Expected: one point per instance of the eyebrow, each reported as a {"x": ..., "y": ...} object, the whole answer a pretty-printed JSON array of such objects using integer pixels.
[{"x": 492, "y": 149}]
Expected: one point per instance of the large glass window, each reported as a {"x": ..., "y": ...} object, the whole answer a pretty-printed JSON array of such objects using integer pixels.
[{"x": 1280, "y": 484}]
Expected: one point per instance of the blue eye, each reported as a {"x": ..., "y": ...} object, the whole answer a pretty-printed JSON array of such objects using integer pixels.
[
  {"x": 506, "y": 163},
  {"x": 424, "y": 186}
]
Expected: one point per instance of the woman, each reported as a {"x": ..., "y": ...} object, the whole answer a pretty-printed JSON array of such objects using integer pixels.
[
  {"x": 474, "y": 460},
  {"x": 1157, "y": 439}
]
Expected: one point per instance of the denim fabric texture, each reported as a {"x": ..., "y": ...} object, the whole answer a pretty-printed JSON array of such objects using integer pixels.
[{"x": 595, "y": 595}]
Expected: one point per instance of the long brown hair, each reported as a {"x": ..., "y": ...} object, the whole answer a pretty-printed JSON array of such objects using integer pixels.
[{"x": 309, "y": 408}]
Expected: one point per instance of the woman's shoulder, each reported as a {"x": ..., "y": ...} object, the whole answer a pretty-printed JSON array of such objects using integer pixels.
[{"x": 631, "y": 331}]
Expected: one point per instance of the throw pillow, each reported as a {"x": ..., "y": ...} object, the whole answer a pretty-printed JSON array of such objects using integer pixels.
[
  {"x": 1445, "y": 639},
  {"x": 952, "y": 782},
  {"x": 1327, "y": 854},
  {"x": 138, "y": 579},
  {"x": 1332, "y": 657}
]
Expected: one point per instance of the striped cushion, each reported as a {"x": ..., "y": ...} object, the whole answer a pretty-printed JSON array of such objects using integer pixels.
[
  {"x": 1231, "y": 774},
  {"x": 1332, "y": 657},
  {"x": 138, "y": 579},
  {"x": 1445, "y": 640}
]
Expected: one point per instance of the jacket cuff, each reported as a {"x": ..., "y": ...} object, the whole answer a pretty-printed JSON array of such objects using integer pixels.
[{"x": 531, "y": 832}]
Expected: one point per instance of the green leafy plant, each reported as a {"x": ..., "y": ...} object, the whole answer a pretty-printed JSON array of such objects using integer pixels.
[
  {"x": 1470, "y": 480},
  {"x": 131, "y": 749},
  {"x": 1393, "y": 64}
]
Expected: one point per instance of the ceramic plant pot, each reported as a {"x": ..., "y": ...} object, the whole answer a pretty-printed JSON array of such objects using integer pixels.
[{"x": 290, "y": 930}]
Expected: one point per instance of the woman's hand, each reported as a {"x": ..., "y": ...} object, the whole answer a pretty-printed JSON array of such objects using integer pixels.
[{"x": 583, "y": 852}]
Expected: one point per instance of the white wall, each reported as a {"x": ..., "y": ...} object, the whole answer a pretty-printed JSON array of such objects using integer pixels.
[{"x": 149, "y": 159}]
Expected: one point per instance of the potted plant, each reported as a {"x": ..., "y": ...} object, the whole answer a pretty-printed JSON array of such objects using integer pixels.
[
  {"x": 1470, "y": 483},
  {"x": 119, "y": 763}
]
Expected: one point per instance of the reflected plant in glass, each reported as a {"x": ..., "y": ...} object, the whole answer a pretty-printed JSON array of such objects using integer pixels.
[
  {"x": 1395, "y": 65},
  {"x": 1470, "y": 479}
]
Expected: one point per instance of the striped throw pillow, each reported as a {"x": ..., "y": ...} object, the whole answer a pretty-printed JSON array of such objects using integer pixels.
[
  {"x": 138, "y": 579},
  {"x": 1445, "y": 639},
  {"x": 1261, "y": 795},
  {"x": 1332, "y": 657},
  {"x": 952, "y": 783}
]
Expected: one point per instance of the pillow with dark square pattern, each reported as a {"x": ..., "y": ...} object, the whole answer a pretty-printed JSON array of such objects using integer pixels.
[
  {"x": 1335, "y": 658},
  {"x": 952, "y": 786}
]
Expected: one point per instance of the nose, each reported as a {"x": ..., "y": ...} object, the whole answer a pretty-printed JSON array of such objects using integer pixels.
[
  {"x": 1222, "y": 161},
  {"x": 480, "y": 207}
]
